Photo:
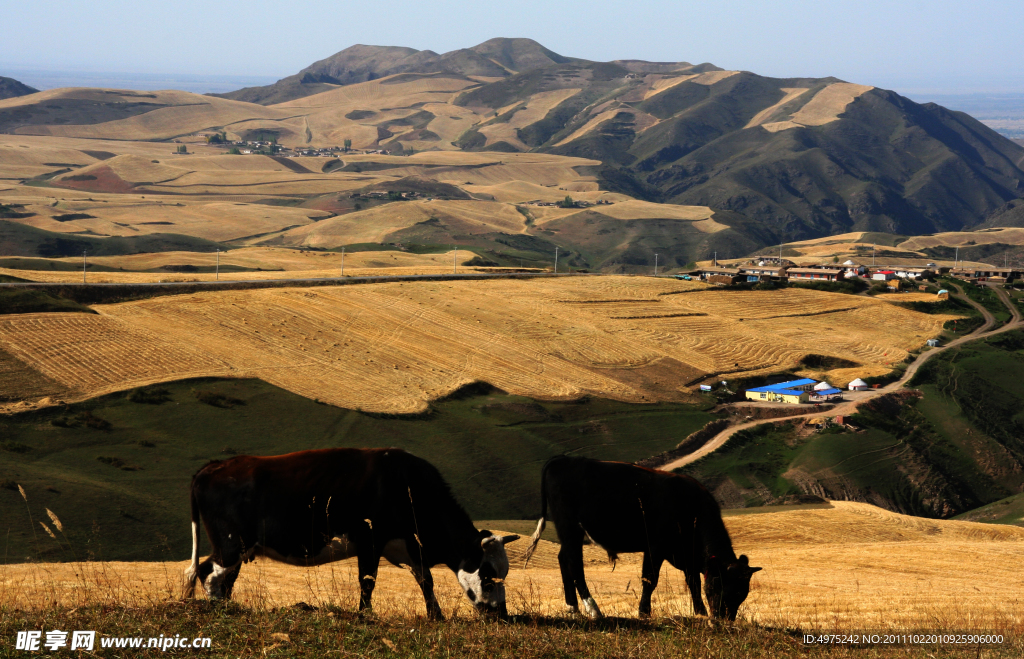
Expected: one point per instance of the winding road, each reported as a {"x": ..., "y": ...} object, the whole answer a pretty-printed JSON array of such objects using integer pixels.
[{"x": 854, "y": 399}]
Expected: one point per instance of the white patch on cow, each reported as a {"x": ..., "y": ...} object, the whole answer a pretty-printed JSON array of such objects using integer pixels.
[
  {"x": 214, "y": 582},
  {"x": 591, "y": 608},
  {"x": 572, "y": 610},
  {"x": 495, "y": 555}
]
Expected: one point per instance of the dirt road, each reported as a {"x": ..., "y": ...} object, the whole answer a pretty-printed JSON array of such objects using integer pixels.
[{"x": 850, "y": 406}]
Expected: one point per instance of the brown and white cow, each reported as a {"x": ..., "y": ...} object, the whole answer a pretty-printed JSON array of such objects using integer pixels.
[
  {"x": 624, "y": 508},
  {"x": 314, "y": 507}
]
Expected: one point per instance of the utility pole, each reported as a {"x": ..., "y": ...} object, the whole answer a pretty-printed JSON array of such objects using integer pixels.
[
  {"x": 83, "y": 265},
  {"x": 455, "y": 260},
  {"x": 342, "y": 261},
  {"x": 872, "y": 255},
  {"x": 655, "y": 265},
  {"x": 956, "y": 257},
  {"x": 716, "y": 259},
  {"x": 556, "y": 260},
  {"x": 218, "y": 265}
]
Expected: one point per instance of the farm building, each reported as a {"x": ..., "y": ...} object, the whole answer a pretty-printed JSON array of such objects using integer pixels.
[
  {"x": 763, "y": 272},
  {"x": 913, "y": 273},
  {"x": 814, "y": 274},
  {"x": 794, "y": 391},
  {"x": 823, "y": 391},
  {"x": 718, "y": 275},
  {"x": 985, "y": 274},
  {"x": 934, "y": 343},
  {"x": 942, "y": 295},
  {"x": 884, "y": 275},
  {"x": 858, "y": 385}
]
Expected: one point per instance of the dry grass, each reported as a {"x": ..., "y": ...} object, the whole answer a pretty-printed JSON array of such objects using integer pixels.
[
  {"x": 849, "y": 567},
  {"x": 1012, "y": 236},
  {"x": 824, "y": 107},
  {"x": 395, "y": 347},
  {"x": 535, "y": 109},
  {"x": 789, "y": 93}
]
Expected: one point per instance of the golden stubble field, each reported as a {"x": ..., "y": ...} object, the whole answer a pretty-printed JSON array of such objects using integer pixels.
[
  {"x": 394, "y": 347},
  {"x": 843, "y": 566}
]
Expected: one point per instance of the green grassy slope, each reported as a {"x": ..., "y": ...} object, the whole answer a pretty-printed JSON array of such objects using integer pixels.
[
  {"x": 22, "y": 240},
  {"x": 133, "y": 504}
]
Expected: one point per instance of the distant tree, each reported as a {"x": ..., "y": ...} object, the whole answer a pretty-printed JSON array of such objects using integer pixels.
[
  {"x": 217, "y": 138},
  {"x": 234, "y": 151},
  {"x": 835, "y": 259},
  {"x": 348, "y": 144},
  {"x": 182, "y": 149},
  {"x": 568, "y": 202}
]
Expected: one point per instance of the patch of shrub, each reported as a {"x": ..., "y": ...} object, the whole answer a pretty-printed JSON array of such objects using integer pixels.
[
  {"x": 93, "y": 422},
  {"x": 216, "y": 400},
  {"x": 15, "y": 447},
  {"x": 8, "y": 484},
  {"x": 149, "y": 396}
]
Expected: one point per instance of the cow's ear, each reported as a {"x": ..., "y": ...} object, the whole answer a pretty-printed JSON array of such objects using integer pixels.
[
  {"x": 509, "y": 538},
  {"x": 484, "y": 534}
]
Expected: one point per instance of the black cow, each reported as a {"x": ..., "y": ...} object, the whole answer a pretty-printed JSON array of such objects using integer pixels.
[
  {"x": 624, "y": 508},
  {"x": 314, "y": 507}
]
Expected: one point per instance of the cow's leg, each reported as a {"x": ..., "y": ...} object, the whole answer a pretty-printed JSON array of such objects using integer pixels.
[
  {"x": 369, "y": 561},
  {"x": 693, "y": 583},
  {"x": 574, "y": 559},
  {"x": 426, "y": 582},
  {"x": 649, "y": 579},
  {"x": 568, "y": 584}
]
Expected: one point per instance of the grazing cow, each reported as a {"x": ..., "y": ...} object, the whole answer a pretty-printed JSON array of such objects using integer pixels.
[
  {"x": 624, "y": 508},
  {"x": 314, "y": 507}
]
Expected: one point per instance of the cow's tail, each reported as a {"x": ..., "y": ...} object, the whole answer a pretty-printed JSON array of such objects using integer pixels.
[
  {"x": 535, "y": 538},
  {"x": 192, "y": 571}
]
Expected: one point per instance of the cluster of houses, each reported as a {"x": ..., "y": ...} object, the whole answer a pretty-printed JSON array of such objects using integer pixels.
[
  {"x": 802, "y": 391},
  {"x": 776, "y": 269},
  {"x": 575, "y": 204}
]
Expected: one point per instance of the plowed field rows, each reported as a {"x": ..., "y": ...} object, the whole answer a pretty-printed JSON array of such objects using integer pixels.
[{"x": 394, "y": 347}]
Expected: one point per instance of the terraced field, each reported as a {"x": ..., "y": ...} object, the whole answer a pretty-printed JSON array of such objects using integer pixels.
[{"x": 395, "y": 347}]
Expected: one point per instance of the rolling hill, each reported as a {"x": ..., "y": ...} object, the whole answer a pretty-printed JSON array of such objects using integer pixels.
[
  {"x": 10, "y": 88},
  {"x": 774, "y": 159}
]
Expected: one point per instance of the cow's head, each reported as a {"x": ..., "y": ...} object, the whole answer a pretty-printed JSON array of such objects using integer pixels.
[
  {"x": 482, "y": 574},
  {"x": 726, "y": 585}
]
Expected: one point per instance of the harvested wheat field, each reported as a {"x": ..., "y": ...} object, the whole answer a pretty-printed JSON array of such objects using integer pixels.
[
  {"x": 831, "y": 567},
  {"x": 395, "y": 347}
]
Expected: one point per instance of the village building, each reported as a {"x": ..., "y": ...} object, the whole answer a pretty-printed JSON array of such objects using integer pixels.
[
  {"x": 985, "y": 274},
  {"x": 858, "y": 385},
  {"x": 720, "y": 276},
  {"x": 772, "y": 260},
  {"x": 823, "y": 391},
  {"x": 913, "y": 273},
  {"x": 794, "y": 391},
  {"x": 763, "y": 272},
  {"x": 942, "y": 295},
  {"x": 883, "y": 275},
  {"x": 813, "y": 274}
]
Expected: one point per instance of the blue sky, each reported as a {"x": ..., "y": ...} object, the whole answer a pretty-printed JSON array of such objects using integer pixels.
[{"x": 940, "y": 46}]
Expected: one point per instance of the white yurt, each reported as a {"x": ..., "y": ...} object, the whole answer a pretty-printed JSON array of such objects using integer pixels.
[
  {"x": 858, "y": 385},
  {"x": 822, "y": 386}
]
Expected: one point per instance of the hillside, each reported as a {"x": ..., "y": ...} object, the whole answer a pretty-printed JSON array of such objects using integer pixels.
[
  {"x": 496, "y": 58},
  {"x": 955, "y": 451},
  {"x": 774, "y": 159},
  {"x": 10, "y": 88}
]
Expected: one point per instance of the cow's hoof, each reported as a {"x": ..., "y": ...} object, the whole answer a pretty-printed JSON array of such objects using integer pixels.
[
  {"x": 572, "y": 610},
  {"x": 592, "y": 609}
]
